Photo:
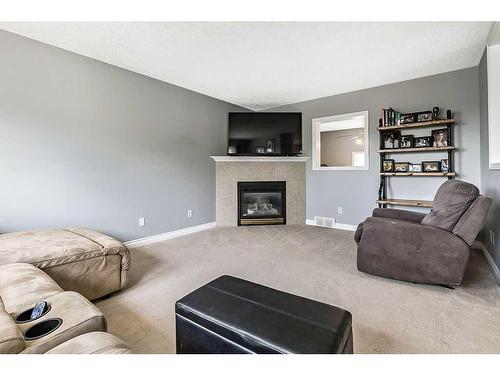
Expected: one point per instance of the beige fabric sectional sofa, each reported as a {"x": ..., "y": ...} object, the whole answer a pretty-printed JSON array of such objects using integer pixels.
[
  {"x": 80, "y": 260},
  {"x": 65, "y": 268},
  {"x": 70, "y": 324}
]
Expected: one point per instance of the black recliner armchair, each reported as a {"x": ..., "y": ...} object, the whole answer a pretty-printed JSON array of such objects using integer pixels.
[{"x": 432, "y": 248}]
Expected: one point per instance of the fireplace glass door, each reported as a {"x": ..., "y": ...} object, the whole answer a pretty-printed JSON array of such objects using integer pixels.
[{"x": 261, "y": 203}]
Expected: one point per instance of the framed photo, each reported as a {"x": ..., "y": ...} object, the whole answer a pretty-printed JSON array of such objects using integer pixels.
[
  {"x": 270, "y": 145},
  {"x": 388, "y": 165},
  {"x": 401, "y": 167},
  {"x": 408, "y": 118},
  {"x": 444, "y": 165},
  {"x": 260, "y": 150},
  {"x": 422, "y": 142},
  {"x": 440, "y": 138},
  {"x": 431, "y": 166},
  {"x": 406, "y": 141},
  {"x": 392, "y": 139},
  {"x": 415, "y": 168},
  {"x": 424, "y": 116}
]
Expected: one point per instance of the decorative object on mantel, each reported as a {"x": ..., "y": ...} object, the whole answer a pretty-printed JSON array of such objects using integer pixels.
[{"x": 440, "y": 141}]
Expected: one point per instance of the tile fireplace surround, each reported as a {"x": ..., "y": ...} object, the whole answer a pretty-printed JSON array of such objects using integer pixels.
[{"x": 231, "y": 169}]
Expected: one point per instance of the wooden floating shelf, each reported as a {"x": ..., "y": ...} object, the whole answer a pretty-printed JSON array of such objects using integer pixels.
[
  {"x": 406, "y": 202},
  {"x": 415, "y": 149},
  {"x": 422, "y": 124},
  {"x": 419, "y": 174}
]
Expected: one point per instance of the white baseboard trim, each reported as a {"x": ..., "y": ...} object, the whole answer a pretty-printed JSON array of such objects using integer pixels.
[
  {"x": 340, "y": 226},
  {"x": 489, "y": 259},
  {"x": 168, "y": 235}
]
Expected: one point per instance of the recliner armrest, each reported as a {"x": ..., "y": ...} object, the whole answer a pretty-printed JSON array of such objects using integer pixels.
[
  {"x": 392, "y": 213},
  {"x": 11, "y": 339}
]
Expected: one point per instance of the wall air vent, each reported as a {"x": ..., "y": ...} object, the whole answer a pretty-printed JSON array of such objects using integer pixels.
[{"x": 327, "y": 222}]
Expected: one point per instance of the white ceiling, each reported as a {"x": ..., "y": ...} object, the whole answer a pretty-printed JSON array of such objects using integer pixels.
[{"x": 259, "y": 65}]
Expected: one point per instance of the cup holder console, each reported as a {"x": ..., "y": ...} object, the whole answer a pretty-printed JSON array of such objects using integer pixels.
[
  {"x": 24, "y": 317},
  {"x": 42, "y": 329}
]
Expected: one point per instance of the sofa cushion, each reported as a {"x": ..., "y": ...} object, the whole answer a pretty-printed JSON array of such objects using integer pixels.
[
  {"x": 46, "y": 248},
  {"x": 11, "y": 339},
  {"x": 22, "y": 285},
  {"x": 452, "y": 199},
  {"x": 92, "y": 343},
  {"x": 81, "y": 259}
]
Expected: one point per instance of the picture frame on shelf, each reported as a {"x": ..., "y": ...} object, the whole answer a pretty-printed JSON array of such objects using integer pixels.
[
  {"x": 270, "y": 145},
  {"x": 415, "y": 168},
  {"x": 401, "y": 166},
  {"x": 408, "y": 118},
  {"x": 411, "y": 118},
  {"x": 388, "y": 165},
  {"x": 406, "y": 141},
  {"x": 444, "y": 165},
  {"x": 431, "y": 166},
  {"x": 392, "y": 140},
  {"x": 440, "y": 138},
  {"x": 424, "y": 116},
  {"x": 422, "y": 142}
]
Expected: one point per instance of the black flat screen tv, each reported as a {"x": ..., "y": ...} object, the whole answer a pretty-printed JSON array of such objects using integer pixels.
[{"x": 265, "y": 133}]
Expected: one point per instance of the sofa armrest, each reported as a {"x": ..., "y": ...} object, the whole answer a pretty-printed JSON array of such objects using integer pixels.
[
  {"x": 410, "y": 251},
  {"x": 392, "y": 213},
  {"x": 11, "y": 339}
]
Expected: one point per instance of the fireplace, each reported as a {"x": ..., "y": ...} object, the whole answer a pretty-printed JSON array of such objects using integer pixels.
[{"x": 262, "y": 202}]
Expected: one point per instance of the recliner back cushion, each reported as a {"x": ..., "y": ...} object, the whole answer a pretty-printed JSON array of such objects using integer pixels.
[
  {"x": 452, "y": 199},
  {"x": 470, "y": 223}
]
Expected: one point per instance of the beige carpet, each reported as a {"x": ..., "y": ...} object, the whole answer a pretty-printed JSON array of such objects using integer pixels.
[{"x": 388, "y": 316}]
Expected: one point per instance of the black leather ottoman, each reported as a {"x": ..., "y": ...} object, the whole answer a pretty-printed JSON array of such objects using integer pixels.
[{"x": 231, "y": 315}]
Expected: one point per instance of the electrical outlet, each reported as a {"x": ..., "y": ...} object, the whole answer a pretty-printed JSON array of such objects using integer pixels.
[
  {"x": 189, "y": 213},
  {"x": 141, "y": 222},
  {"x": 340, "y": 210},
  {"x": 492, "y": 237}
]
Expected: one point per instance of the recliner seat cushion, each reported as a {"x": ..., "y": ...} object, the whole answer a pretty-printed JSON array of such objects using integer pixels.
[{"x": 452, "y": 199}]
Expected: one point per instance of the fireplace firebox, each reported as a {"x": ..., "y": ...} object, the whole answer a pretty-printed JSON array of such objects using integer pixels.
[{"x": 261, "y": 203}]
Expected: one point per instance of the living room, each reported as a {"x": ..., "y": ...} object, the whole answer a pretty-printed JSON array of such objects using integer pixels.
[{"x": 244, "y": 187}]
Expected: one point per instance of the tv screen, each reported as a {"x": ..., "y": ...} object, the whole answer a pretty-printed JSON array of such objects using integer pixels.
[{"x": 265, "y": 133}]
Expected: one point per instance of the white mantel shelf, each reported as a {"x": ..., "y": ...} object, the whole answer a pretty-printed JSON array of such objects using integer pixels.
[{"x": 262, "y": 159}]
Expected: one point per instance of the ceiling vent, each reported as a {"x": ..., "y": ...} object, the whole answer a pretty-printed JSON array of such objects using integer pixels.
[{"x": 327, "y": 222}]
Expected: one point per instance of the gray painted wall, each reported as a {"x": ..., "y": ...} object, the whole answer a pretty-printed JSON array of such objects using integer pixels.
[
  {"x": 490, "y": 179},
  {"x": 84, "y": 143},
  {"x": 356, "y": 191}
]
